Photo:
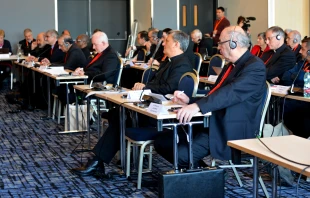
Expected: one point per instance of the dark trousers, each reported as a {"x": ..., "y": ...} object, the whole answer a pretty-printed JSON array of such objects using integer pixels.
[{"x": 164, "y": 146}]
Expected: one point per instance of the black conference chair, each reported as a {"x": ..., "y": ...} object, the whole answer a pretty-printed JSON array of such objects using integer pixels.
[
  {"x": 189, "y": 84},
  {"x": 215, "y": 61},
  {"x": 148, "y": 74},
  {"x": 198, "y": 61}
]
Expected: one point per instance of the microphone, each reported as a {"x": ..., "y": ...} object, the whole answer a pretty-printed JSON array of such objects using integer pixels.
[
  {"x": 251, "y": 18},
  {"x": 91, "y": 82},
  {"x": 292, "y": 86},
  {"x": 43, "y": 52}
]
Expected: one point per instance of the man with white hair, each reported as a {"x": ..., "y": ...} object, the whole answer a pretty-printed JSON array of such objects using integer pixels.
[
  {"x": 200, "y": 43},
  {"x": 235, "y": 102},
  {"x": 105, "y": 62},
  {"x": 293, "y": 41}
]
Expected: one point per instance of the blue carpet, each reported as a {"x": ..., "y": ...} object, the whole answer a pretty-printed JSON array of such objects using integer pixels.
[{"x": 35, "y": 162}]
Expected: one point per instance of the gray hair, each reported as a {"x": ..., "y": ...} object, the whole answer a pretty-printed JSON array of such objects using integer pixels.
[
  {"x": 102, "y": 37},
  {"x": 52, "y": 32},
  {"x": 297, "y": 36},
  {"x": 262, "y": 34},
  {"x": 241, "y": 38},
  {"x": 197, "y": 33},
  {"x": 181, "y": 37},
  {"x": 276, "y": 29}
]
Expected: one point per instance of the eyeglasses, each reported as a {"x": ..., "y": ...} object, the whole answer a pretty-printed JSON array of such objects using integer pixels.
[
  {"x": 222, "y": 42},
  {"x": 269, "y": 38}
]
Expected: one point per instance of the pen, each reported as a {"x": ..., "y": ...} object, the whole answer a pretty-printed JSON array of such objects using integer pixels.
[{"x": 178, "y": 94}]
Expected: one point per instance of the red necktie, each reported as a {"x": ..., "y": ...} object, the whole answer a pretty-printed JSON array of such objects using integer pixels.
[
  {"x": 94, "y": 59},
  {"x": 66, "y": 57},
  {"x": 197, "y": 48},
  {"x": 222, "y": 80}
]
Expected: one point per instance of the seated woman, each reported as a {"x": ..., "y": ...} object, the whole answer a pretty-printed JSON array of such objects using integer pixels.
[
  {"x": 5, "y": 66},
  {"x": 261, "y": 45}
]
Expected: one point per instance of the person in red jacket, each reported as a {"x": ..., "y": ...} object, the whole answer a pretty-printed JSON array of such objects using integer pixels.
[{"x": 261, "y": 45}]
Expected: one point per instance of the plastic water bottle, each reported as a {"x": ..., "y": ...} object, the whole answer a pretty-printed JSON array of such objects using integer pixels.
[
  {"x": 307, "y": 84},
  {"x": 206, "y": 55}
]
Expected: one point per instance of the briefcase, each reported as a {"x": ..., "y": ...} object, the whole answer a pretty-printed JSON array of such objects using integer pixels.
[{"x": 196, "y": 183}]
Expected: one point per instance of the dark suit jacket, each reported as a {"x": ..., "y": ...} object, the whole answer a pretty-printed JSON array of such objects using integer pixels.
[
  {"x": 159, "y": 54},
  {"x": 26, "y": 48},
  {"x": 202, "y": 46},
  {"x": 7, "y": 44},
  {"x": 236, "y": 106},
  {"x": 297, "y": 54},
  {"x": 43, "y": 52},
  {"x": 282, "y": 60},
  {"x": 166, "y": 79},
  {"x": 107, "y": 65},
  {"x": 57, "y": 55},
  {"x": 224, "y": 23},
  {"x": 74, "y": 58},
  {"x": 86, "y": 52}
]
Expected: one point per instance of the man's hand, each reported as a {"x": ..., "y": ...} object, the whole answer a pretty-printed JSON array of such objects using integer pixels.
[
  {"x": 155, "y": 62},
  {"x": 275, "y": 80},
  {"x": 79, "y": 72},
  {"x": 185, "y": 114},
  {"x": 34, "y": 44},
  {"x": 45, "y": 62},
  {"x": 180, "y": 97},
  {"x": 138, "y": 86},
  {"x": 30, "y": 58},
  {"x": 148, "y": 46}
]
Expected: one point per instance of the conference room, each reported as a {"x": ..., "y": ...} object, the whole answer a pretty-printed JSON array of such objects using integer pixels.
[{"x": 154, "y": 98}]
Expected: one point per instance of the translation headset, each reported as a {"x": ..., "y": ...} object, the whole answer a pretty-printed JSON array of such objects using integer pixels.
[
  {"x": 295, "y": 39},
  {"x": 68, "y": 41},
  {"x": 232, "y": 44},
  {"x": 278, "y": 37}
]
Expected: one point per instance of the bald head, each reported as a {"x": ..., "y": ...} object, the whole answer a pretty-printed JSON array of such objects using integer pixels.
[
  {"x": 196, "y": 36},
  {"x": 100, "y": 41},
  {"x": 82, "y": 40},
  {"x": 40, "y": 40},
  {"x": 233, "y": 43}
]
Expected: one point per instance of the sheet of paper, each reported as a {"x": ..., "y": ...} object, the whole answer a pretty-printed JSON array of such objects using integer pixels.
[
  {"x": 136, "y": 95},
  {"x": 212, "y": 78},
  {"x": 55, "y": 70},
  {"x": 157, "y": 109},
  {"x": 280, "y": 89}
]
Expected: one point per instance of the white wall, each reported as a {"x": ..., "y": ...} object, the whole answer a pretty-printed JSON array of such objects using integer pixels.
[
  {"x": 293, "y": 15},
  {"x": 141, "y": 11},
  {"x": 246, "y": 8},
  {"x": 16, "y": 15},
  {"x": 165, "y": 14}
]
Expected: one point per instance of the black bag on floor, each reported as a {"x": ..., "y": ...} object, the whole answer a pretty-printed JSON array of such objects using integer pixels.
[{"x": 198, "y": 183}]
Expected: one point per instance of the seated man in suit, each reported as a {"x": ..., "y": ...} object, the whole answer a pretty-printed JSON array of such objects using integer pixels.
[
  {"x": 138, "y": 54},
  {"x": 55, "y": 54},
  {"x": 104, "y": 66},
  {"x": 74, "y": 56},
  {"x": 82, "y": 41},
  {"x": 200, "y": 43},
  {"x": 293, "y": 41},
  {"x": 279, "y": 58},
  {"x": 235, "y": 102},
  {"x": 151, "y": 46},
  {"x": 27, "y": 42},
  {"x": 40, "y": 49},
  {"x": 165, "y": 81}
]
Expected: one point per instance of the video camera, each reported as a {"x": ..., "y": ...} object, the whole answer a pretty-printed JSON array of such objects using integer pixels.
[{"x": 246, "y": 23}]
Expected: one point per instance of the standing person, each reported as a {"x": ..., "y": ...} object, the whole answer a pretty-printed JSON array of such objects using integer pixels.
[{"x": 219, "y": 24}]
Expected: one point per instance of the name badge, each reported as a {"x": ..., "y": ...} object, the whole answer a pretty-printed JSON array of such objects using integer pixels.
[
  {"x": 157, "y": 109},
  {"x": 136, "y": 95}
]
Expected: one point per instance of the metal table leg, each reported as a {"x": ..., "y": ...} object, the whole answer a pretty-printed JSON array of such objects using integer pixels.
[
  {"x": 255, "y": 177},
  {"x": 274, "y": 181},
  {"x": 122, "y": 138},
  {"x": 175, "y": 148}
]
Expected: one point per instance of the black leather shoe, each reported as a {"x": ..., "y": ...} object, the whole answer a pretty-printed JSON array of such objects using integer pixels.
[{"x": 89, "y": 169}]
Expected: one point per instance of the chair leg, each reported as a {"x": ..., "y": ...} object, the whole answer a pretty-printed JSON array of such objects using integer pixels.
[
  {"x": 262, "y": 184},
  {"x": 128, "y": 159},
  {"x": 140, "y": 168},
  {"x": 236, "y": 174},
  {"x": 54, "y": 107},
  {"x": 59, "y": 111},
  {"x": 150, "y": 158}
]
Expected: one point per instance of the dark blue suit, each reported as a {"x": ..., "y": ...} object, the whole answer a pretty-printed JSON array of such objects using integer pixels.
[{"x": 236, "y": 105}]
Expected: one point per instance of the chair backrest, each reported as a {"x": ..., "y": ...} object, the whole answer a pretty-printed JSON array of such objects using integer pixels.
[
  {"x": 189, "y": 84},
  {"x": 117, "y": 77},
  {"x": 216, "y": 61},
  {"x": 148, "y": 74},
  {"x": 265, "y": 104},
  {"x": 141, "y": 55},
  {"x": 198, "y": 61}
]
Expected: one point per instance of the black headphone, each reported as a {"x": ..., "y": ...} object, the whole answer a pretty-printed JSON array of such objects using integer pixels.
[
  {"x": 295, "y": 39},
  {"x": 278, "y": 37},
  {"x": 232, "y": 44},
  {"x": 68, "y": 41}
]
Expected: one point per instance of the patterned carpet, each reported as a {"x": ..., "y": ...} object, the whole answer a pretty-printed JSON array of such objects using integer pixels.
[{"x": 35, "y": 162}]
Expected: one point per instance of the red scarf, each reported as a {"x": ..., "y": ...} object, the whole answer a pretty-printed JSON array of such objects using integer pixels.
[{"x": 228, "y": 71}]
